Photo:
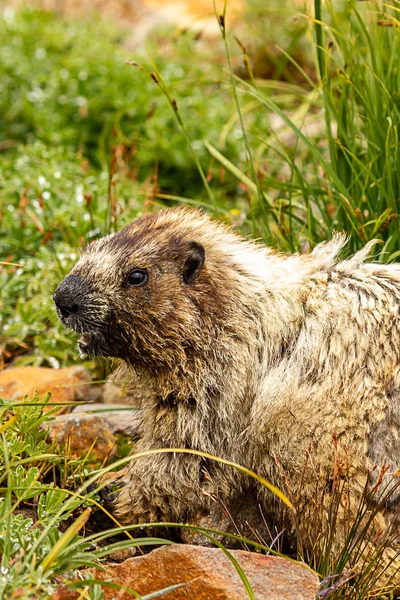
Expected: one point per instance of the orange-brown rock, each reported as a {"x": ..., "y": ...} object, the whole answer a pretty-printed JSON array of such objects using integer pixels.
[
  {"x": 206, "y": 573},
  {"x": 66, "y": 385},
  {"x": 83, "y": 433}
]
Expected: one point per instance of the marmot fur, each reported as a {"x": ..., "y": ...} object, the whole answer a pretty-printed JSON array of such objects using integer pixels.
[{"x": 257, "y": 357}]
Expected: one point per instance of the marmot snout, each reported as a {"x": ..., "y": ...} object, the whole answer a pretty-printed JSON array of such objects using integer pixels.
[{"x": 247, "y": 354}]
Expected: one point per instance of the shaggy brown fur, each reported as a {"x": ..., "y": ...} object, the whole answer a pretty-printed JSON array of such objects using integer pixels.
[{"x": 248, "y": 354}]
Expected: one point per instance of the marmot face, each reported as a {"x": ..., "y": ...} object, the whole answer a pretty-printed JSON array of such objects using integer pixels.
[{"x": 132, "y": 295}]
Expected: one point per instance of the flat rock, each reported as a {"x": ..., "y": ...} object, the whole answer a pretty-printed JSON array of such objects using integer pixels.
[
  {"x": 83, "y": 433},
  {"x": 65, "y": 385},
  {"x": 120, "y": 418},
  {"x": 115, "y": 392},
  {"x": 207, "y": 573}
]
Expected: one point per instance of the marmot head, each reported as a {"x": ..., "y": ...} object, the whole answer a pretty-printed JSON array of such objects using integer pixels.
[{"x": 145, "y": 293}]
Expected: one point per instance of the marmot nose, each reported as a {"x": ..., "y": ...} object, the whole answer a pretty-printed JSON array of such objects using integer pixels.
[
  {"x": 67, "y": 295},
  {"x": 67, "y": 310}
]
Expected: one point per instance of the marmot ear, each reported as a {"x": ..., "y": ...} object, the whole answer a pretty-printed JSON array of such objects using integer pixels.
[{"x": 193, "y": 262}]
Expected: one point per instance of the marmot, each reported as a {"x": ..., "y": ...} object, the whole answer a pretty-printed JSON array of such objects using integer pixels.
[{"x": 250, "y": 355}]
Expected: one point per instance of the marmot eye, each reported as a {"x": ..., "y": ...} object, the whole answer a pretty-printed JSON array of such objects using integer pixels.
[{"x": 137, "y": 277}]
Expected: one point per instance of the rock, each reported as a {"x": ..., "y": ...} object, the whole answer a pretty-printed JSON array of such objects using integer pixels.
[
  {"x": 122, "y": 393},
  {"x": 207, "y": 573},
  {"x": 120, "y": 418},
  {"x": 66, "y": 385},
  {"x": 120, "y": 556},
  {"x": 83, "y": 433},
  {"x": 116, "y": 393}
]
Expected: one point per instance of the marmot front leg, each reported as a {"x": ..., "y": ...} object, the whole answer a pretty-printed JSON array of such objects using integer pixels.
[
  {"x": 162, "y": 487},
  {"x": 185, "y": 489}
]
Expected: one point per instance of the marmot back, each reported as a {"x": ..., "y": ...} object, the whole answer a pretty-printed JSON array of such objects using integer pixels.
[{"x": 248, "y": 354}]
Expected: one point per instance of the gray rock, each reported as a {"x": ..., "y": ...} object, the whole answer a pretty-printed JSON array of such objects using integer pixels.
[{"x": 120, "y": 418}]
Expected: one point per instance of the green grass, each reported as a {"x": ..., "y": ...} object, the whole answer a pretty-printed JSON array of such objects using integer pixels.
[
  {"x": 346, "y": 175},
  {"x": 88, "y": 142},
  {"x": 45, "y": 506}
]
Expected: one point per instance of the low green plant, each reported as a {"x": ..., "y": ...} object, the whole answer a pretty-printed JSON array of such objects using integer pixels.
[
  {"x": 41, "y": 524},
  {"x": 29, "y": 501}
]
